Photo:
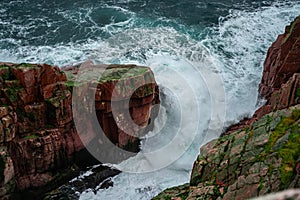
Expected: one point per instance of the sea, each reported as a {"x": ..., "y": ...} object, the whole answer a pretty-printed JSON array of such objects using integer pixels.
[{"x": 207, "y": 57}]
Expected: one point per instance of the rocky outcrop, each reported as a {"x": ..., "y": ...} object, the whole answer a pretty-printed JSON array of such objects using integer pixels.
[
  {"x": 263, "y": 158},
  {"x": 282, "y": 60},
  {"x": 38, "y": 137},
  {"x": 123, "y": 98},
  {"x": 260, "y": 155},
  {"x": 280, "y": 83}
]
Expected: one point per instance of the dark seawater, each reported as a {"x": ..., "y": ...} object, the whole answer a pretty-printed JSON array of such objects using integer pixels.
[
  {"x": 50, "y": 22},
  {"x": 30, "y": 27},
  {"x": 227, "y": 39}
]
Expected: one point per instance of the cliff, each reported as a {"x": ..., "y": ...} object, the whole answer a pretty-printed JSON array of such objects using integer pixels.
[
  {"x": 260, "y": 155},
  {"x": 40, "y": 145}
]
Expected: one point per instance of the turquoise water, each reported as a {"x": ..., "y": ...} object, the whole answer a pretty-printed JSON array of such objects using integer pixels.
[{"x": 207, "y": 57}]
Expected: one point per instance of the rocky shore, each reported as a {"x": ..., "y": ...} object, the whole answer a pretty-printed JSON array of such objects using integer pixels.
[
  {"x": 40, "y": 145},
  {"x": 260, "y": 155}
]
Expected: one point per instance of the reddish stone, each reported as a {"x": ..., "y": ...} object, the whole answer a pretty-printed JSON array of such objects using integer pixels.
[
  {"x": 50, "y": 75},
  {"x": 3, "y": 111},
  {"x": 38, "y": 123},
  {"x": 280, "y": 84},
  {"x": 27, "y": 75},
  {"x": 282, "y": 60},
  {"x": 125, "y": 139}
]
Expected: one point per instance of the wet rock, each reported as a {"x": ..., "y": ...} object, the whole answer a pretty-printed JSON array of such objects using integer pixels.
[{"x": 98, "y": 178}]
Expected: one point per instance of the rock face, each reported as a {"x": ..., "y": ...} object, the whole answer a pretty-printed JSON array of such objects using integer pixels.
[
  {"x": 260, "y": 155},
  {"x": 282, "y": 60},
  {"x": 38, "y": 138},
  {"x": 123, "y": 96},
  {"x": 280, "y": 83},
  {"x": 250, "y": 162}
]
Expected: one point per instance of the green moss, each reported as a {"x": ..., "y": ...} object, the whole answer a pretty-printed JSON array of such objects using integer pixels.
[
  {"x": 261, "y": 184},
  {"x": 250, "y": 134},
  {"x": 297, "y": 96},
  {"x": 217, "y": 192},
  {"x": 291, "y": 29},
  {"x": 11, "y": 94},
  {"x": 271, "y": 169},
  {"x": 260, "y": 157},
  {"x": 148, "y": 90},
  {"x": 111, "y": 74},
  {"x": 184, "y": 195},
  {"x": 289, "y": 153},
  {"x": 6, "y": 74},
  {"x": 282, "y": 128},
  {"x": 26, "y": 65},
  {"x": 223, "y": 139},
  {"x": 70, "y": 83},
  {"x": 298, "y": 92},
  {"x": 31, "y": 136},
  {"x": 246, "y": 128},
  {"x": 295, "y": 115},
  {"x": 181, "y": 191}
]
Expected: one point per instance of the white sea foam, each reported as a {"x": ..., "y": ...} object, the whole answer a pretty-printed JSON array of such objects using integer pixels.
[
  {"x": 240, "y": 43},
  {"x": 235, "y": 51}
]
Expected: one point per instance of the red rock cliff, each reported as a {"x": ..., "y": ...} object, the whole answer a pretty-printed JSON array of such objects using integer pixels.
[
  {"x": 280, "y": 84},
  {"x": 38, "y": 137}
]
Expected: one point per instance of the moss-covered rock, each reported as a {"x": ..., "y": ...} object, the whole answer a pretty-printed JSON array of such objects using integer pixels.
[
  {"x": 178, "y": 193},
  {"x": 262, "y": 159}
]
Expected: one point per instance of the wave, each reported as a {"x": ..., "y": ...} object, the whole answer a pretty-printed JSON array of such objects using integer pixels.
[{"x": 234, "y": 51}]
